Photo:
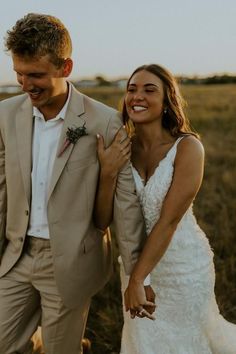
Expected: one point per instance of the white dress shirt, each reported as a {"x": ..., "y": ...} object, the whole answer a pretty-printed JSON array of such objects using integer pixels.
[{"x": 46, "y": 136}]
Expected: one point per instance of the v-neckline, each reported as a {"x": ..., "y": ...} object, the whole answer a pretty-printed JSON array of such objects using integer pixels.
[{"x": 158, "y": 165}]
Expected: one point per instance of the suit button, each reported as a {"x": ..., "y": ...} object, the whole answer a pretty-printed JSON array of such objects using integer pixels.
[
  {"x": 26, "y": 212},
  {"x": 21, "y": 239}
]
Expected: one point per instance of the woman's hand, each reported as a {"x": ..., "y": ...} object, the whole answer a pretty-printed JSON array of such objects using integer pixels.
[
  {"x": 114, "y": 157},
  {"x": 136, "y": 301},
  {"x": 111, "y": 159}
]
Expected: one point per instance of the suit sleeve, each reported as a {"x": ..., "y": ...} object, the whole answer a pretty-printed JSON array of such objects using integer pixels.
[
  {"x": 127, "y": 215},
  {"x": 2, "y": 196}
]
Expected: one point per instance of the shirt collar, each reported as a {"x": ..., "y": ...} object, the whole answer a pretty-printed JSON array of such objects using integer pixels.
[{"x": 61, "y": 114}]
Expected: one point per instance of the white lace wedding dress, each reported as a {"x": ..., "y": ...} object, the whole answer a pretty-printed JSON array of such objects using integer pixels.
[{"x": 187, "y": 316}]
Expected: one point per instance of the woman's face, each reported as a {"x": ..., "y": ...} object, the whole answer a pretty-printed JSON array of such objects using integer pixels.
[{"x": 144, "y": 97}]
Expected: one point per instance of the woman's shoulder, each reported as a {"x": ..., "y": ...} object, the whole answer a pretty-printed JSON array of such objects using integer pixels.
[
  {"x": 190, "y": 146},
  {"x": 190, "y": 142}
]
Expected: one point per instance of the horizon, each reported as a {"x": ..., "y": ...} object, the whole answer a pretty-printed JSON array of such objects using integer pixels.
[{"x": 123, "y": 77}]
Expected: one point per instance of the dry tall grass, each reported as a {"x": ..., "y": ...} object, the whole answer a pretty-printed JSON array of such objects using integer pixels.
[{"x": 212, "y": 111}]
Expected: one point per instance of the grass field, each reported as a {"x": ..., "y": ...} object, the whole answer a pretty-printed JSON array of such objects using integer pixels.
[{"x": 212, "y": 112}]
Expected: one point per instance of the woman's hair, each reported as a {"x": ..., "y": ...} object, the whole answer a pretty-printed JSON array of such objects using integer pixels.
[
  {"x": 37, "y": 35},
  {"x": 173, "y": 119}
]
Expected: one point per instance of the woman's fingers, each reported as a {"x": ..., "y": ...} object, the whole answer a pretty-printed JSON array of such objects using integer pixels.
[
  {"x": 126, "y": 151},
  {"x": 145, "y": 309},
  {"x": 100, "y": 144},
  {"x": 121, "y": 135},
  {"x": 141, "y": 313},
  {"x": 121, "y": 139},
  {"x": 144, "y": 313}
]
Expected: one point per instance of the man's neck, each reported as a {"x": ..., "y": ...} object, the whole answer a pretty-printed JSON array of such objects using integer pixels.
[{"x": 52, "y": 109}]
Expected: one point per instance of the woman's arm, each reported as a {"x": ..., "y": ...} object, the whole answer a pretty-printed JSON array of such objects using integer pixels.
[
  {"x": 186, "y": 182},
  {"x": 111, "y": 159}
]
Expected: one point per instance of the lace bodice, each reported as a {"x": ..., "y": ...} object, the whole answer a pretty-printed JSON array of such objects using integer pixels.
[{"x": 152, "y": 194}]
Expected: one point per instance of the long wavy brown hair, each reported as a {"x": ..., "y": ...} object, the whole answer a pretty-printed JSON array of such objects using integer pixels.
[{"x": 174, "y": 119}]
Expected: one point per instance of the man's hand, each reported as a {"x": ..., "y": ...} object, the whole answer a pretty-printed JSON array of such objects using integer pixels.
[{"x": 150, "y": 295}]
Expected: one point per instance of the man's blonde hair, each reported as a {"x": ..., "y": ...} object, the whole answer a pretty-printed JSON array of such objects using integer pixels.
[{"x": 37, "y": 35}]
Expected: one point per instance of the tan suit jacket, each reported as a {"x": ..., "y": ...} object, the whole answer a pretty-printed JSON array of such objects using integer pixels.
[{"x": 81, "y": 253}]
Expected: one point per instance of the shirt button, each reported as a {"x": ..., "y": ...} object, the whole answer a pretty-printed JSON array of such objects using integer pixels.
[{"x": 26, "y": 212}]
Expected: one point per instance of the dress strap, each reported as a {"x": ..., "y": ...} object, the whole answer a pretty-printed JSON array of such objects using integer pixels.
[
  {"x": 172, "y": 152},
  {"x": 178, "y": 140}
]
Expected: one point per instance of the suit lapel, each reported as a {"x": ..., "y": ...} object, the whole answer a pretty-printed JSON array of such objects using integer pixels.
[
  {"x": 24, "y": 127},
  {"x": 73, "y": 117}
]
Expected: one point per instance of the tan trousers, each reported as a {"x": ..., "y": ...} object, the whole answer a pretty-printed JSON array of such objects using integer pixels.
[{"x": 28, "y": 295}]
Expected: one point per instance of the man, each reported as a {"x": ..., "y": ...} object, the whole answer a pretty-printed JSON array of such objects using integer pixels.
[{"x": 53, "y": 257}]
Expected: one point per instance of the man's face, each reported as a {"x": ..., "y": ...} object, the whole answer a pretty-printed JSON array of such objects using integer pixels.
[{"x": 41, "y": 79}]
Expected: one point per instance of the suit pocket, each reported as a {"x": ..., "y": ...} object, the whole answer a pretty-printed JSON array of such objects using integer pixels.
[
  {"x": 91, "y": 241},
  {"x": 80, "y": 163}
]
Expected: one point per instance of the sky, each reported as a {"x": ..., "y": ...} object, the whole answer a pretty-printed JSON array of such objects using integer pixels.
[{"x": 112, "y": 37}]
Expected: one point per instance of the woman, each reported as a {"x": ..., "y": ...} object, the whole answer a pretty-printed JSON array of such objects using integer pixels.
[{"x": 167, "y": 162}]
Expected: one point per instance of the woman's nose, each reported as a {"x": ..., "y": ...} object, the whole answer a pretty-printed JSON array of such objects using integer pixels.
[{"x": 138, "y": 96}]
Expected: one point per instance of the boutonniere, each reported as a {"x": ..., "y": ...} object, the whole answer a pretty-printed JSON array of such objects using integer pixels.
[{"x": 73, "y": 134}]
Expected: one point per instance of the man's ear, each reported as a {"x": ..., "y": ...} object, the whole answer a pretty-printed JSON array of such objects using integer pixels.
[{"x": 67, "y": 67}]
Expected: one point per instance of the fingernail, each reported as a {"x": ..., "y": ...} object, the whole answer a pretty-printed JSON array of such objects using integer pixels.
[{"x": 98, "y": 136}]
